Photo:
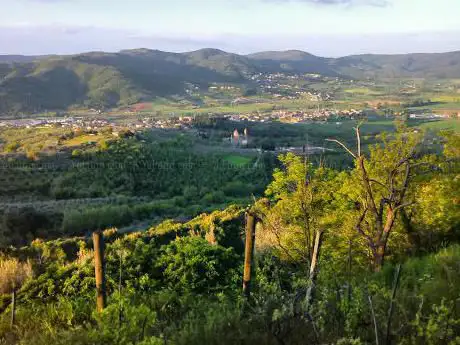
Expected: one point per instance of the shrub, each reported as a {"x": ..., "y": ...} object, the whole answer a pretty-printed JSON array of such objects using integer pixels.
[
  {"x": 191, "y": 264},
  {"x": 77, "y": 153},
  {"x": 12, "y": 147},
  {"x": 13, "y": 274}
]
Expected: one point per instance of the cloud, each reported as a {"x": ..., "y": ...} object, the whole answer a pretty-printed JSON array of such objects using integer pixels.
[
  {"x": 63, "y": 39},
  {"x": 48, "y": 2},
  {"x": 374, "y": 3},
  {"x": 30, "y": 39}
]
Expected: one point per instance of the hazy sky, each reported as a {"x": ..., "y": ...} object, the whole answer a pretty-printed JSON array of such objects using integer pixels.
[{"x": 322, "y": 27}]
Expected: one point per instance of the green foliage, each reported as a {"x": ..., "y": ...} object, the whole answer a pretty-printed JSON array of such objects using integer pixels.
[
  {"x": 192, "y": 265},
  {"x": 437, "y": 327},
  {"x": 127, "y": 182},
  {"x": 176, "y": 311},
  {"x": 179, "y": 282},
  {"x": 303, "y": 205},
  {"x": 21, "y": 225},
  {"x": 137, "y": 322},
  {"x": 12, "y": 147},
  {"x": 76, "y": 153}
]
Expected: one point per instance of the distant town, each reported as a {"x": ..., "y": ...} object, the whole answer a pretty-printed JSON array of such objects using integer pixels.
[{"x": 89, "y": 123}]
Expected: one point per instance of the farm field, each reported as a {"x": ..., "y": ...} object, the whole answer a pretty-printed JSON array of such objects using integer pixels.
[{"x": 452, "y": 124}]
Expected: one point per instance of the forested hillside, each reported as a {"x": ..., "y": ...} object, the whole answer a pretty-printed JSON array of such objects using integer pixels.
[
  {"x": 294, "y": 61},
  {"x": 122, "y": 182},
  {"x": 441, "y": 65},
  {"x": 98, "y": 79}
]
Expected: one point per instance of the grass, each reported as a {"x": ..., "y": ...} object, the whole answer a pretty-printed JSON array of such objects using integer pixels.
[
  {"x": 84, "y": 139},
  {"x": 361, "y": 91},
  {"x": 43, "y": 139},
  {"x": 214, "y": 106},
  {"x": 345, "y": 97},
  {"x": 238, "y": 159},
  {"x": 347, "y": 126},
  {"x": 450, "y": 124},
  {"x": 36, "y": 139},
  {"x": 449, "y": 106},
  {"x": 446, "y": 98}
]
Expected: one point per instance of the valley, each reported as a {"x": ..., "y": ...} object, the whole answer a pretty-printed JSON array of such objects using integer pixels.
[{"x": 175, "y": 160}]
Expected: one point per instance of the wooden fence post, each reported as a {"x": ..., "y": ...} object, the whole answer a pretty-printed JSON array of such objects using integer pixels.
[
  {"x": 13, "y": 306},
  {"x": 249, "y": 252},
  {"x": 390, "y": 309},
  {"x": 98, "y": 243}
]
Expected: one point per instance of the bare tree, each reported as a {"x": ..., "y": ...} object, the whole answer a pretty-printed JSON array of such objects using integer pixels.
[{"x": 383, "y": 196}]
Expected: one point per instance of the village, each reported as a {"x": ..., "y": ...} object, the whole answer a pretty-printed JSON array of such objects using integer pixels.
[
  {"x": 176, "y": 122},
  {"x": 300, "y": 116}
]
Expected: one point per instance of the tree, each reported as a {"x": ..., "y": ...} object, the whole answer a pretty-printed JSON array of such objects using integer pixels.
[
  {"x": 301, "y": 213},
  {"x": 381, "y": 182},
  {"x": 22, "y": 225},
  {"x": 250, "y": 92},
  {"x": 436, "y": 212}
]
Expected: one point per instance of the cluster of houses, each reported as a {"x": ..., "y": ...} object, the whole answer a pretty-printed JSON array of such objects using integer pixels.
[
  {"x": 280, "y": 85},
  {"x": 429, "y": 116},
  {"x": 66, "y": 122},
  {"x": 89, "y": 124},
  {"x": 312, "y": 96},
  {"x": 223, "y": 88},
  {"x": 182, "y": 122},
  {"x": 296, "y": 116}
]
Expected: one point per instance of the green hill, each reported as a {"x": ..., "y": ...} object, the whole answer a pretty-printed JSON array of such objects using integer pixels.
[
  {"x": 62, "y": 82},
  {"x": 99, "y": 79},
  {"x": 293, "y": 61},
  {"x": 18, "y": 58},
  {"x": 440, "y": 65},
  {"x": 434, "y": 65}
]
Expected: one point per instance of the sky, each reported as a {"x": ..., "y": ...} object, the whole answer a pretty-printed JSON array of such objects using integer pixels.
[{"x": 321, "y": 27}]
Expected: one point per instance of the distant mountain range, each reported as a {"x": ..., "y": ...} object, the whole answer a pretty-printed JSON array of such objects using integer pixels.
[{"x": 100, "y": 79}]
